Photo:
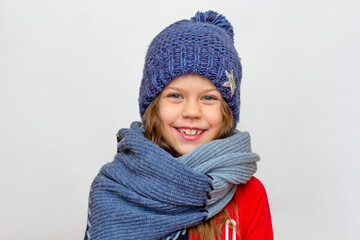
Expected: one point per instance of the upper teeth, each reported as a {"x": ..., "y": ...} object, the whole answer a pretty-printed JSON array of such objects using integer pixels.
[{"x": 190, "y": 132}]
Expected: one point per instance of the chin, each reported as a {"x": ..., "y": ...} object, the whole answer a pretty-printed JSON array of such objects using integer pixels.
[{"x": 186, "y": 150}]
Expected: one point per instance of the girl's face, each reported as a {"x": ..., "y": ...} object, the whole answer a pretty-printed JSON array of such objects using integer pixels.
[{"x": 191, "y": 112}]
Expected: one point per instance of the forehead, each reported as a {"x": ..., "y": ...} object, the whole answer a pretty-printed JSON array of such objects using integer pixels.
[{"x": 191, "y": 82}]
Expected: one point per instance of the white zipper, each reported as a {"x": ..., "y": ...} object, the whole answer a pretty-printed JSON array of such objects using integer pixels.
[{"x": 227, "y": 223}]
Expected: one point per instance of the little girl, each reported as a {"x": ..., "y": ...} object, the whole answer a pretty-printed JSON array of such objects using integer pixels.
[{"x": 184, "y": 172}]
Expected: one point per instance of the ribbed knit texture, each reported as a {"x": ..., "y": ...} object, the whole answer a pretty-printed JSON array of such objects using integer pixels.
[
  {"x": 145, "y": 193},
  {"x": 203, "y": 45}
]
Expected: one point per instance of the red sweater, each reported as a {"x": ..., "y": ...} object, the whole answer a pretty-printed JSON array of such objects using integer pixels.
[{"x": 254, "y": 219}]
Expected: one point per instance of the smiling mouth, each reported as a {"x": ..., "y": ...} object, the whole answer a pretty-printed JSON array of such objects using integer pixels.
[{"x": 190, "y": 132}]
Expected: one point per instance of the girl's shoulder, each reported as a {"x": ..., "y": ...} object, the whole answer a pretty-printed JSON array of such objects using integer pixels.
[
  {"x": 247, "y": 198},
  {"x": 252, "y": 190}
]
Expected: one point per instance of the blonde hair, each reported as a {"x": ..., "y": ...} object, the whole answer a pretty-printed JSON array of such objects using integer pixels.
[
  {"x": 208, "y": 230},
  {"x": 211, "y": 229}
]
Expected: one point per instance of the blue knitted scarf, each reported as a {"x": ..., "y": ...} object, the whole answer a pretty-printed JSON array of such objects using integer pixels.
[{"x": 146, "y": 193}]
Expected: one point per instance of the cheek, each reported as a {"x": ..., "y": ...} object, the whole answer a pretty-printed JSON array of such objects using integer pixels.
[
  {"x": 167, "y": 113},
  {"x": 215, "y": 116}
]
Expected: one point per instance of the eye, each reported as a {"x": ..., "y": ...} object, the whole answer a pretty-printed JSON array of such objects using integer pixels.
[
  {"x": 208, "y": 98},
  {"x": 174, "y": 95}
]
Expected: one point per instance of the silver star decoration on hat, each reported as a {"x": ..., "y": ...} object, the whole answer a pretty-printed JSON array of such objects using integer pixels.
[{"x": 231, "y": 83}]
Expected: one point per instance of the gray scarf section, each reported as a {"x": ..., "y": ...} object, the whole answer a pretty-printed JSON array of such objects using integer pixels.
[{"x": 228, "y": 162}]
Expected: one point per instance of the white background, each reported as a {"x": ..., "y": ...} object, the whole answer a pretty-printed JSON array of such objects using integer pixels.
[{"x": 70, "y": 72}]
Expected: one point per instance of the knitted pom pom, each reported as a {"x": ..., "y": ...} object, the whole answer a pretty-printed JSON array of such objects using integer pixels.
[{"x": 216, "y": 19}]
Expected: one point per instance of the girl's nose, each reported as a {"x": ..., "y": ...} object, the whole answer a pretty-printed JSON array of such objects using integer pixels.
[{"x": 191, "y": 110}]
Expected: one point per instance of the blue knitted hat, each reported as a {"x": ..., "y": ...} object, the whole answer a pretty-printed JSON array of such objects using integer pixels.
[{"x": 203, "y": 45}]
